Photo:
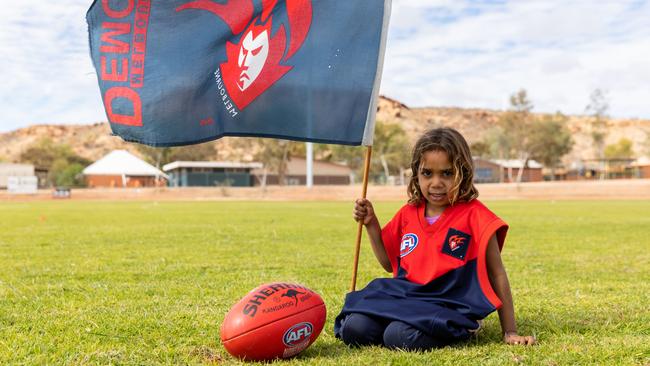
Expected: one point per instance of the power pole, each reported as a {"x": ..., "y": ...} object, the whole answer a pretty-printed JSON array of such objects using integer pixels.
[{"x": 310, "y": 164}]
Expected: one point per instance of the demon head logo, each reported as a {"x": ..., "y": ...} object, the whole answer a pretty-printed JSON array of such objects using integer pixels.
[
  {"x": 252, "y": 56},
  {"x": 456, "y": 241},
  {"x": 259, "y": 59}
]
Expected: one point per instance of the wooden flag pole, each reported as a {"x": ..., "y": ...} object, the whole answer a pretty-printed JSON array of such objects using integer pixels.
[{"x": 357, "y": 248}]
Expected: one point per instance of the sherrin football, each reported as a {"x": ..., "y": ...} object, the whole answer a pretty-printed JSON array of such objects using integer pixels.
[{"x": 274, "y": 320}]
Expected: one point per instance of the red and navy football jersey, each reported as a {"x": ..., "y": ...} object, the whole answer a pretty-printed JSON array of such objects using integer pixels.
[
  {"x": 421, "y": 253},
  {"x": 440, "y": 283}
]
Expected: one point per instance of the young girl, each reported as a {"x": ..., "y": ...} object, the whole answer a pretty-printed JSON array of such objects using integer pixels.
[{"x": 443, "y": 248}]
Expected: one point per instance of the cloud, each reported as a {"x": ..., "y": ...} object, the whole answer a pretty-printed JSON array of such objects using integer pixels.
[
  {"x": 48, "y": 75},
  {"x": 439, "y": 53},
  {"x": 481, "y": 53}
]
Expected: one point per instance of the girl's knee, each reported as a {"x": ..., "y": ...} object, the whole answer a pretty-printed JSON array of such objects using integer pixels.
[
  {"x": 403, "y": 336},
  {"x": 360, "y": 330}
]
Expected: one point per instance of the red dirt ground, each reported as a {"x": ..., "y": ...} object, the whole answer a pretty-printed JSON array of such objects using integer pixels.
[{"x": 574, "y": 190}]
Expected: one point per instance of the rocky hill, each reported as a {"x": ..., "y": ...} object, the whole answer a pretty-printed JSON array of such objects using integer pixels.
[
  {"x": 473, "y": 123},
  {"x": 94, "y": 141}
]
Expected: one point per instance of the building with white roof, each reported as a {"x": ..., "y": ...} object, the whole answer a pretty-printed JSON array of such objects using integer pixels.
[{"x": 120, "y": 168}]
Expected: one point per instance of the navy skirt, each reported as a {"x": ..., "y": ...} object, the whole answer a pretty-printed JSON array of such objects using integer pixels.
[{"x": 446, "y": 308}]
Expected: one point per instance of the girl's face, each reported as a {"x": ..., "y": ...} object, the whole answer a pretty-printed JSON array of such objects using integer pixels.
[{"x": 435, "y": 178}]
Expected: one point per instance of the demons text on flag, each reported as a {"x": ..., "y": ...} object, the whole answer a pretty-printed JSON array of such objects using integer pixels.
[{"x": 122, "y": 61}]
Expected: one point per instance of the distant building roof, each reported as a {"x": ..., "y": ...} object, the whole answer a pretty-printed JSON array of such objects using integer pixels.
[
  {"x": 122, "y": 162},
  {"x": 516, "y": 163},
  {"x": 209, "y": 164}
]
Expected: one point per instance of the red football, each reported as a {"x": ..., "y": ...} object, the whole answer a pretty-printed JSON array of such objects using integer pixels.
[{"x": 275, "y": 320}]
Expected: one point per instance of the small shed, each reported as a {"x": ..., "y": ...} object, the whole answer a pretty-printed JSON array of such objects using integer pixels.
[
  {"x": 641, "y": 168},
  {"x": 120, "y": 168},
  {"x": 210, "y": 173},
  {"x": 14, "y": 170},
  {"x": 531, "y": 173},
  {"x": 486, "y": 171}
]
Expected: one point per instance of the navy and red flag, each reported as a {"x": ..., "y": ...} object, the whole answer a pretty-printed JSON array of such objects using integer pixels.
[{"x": 180, "y": 72}]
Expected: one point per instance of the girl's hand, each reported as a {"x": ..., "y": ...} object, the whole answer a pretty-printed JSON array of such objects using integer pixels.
[
  {"x": 363, "y": 211},
  {"x": 514, "y": 338}
]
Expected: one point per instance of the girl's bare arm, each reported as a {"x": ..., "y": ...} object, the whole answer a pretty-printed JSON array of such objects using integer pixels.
[
  {"x": 501, "y": 286},
  {"x": 364, "y": 212}
]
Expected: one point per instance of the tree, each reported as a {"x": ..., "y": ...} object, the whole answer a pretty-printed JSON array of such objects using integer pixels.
[
  {"x": 68, "y": 175},
  {"x": 646, "y": 144},
  {"x": 497, "y": 142},
  {"x": 520, "y": 102},
  {"x": 480, "y": 149},
  {"x": 550, "y": 140},
  {"x": 390, "y": 152},
  {"x": 63, "y": 165},
  {"x": 621, "y": 150},
  {"x": 200, "y": 152},
  {"x": 44, "y": 152},
  {"x": 158, "y": 156},
  {"x": 275, "y": 154},
  {"x": 352, "y": 156},
  {"x": 515, "y": 125},
  {"x": 597, "y": 109}
]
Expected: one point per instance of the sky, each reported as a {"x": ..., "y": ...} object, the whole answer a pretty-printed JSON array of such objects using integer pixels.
[{"x": 439, "y": 53}]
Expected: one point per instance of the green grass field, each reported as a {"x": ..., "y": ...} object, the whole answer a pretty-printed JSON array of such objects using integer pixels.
[{"x": 140, "y": 283}]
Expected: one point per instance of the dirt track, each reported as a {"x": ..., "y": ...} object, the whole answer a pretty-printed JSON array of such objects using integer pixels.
[{"x": 613, "y": 189}]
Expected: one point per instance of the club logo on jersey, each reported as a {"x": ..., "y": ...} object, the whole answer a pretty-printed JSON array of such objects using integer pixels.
[
  {"x": 259, "y": 59},
  {"x": 297, "y": 334},
  {"x": 409, "y": 242},
  {"x": 456, "y": 243}
]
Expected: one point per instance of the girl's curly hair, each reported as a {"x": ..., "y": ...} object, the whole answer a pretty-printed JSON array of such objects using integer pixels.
[{"x": 453, "y": 143}]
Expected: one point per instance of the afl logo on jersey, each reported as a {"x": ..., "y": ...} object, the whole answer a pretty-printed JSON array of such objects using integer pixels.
[{"x": 409, "y": 242}]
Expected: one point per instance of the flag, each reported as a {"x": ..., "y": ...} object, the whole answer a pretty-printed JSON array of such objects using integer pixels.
[{"x": 179, "y": 72}]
